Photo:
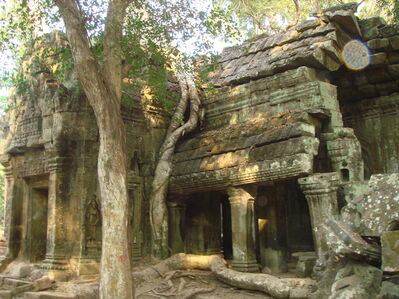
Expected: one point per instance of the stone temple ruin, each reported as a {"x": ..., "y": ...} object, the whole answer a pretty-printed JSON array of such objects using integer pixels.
[{"x": 297, "y": 161}]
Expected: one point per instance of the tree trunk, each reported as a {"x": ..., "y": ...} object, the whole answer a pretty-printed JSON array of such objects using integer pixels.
[
  {"x": 115, "y": 279},
  {"x": 102, "y": 88},
  {"x": 158, "y": 209}
]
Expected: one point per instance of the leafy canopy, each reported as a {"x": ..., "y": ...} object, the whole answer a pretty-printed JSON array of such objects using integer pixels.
[
  {"x": 271, "y": 16},
  {"x": 156, "y": 34}
]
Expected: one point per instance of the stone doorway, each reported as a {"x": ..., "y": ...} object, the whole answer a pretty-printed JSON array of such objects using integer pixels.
[
  {"x": 37, "y": 220},
  {"x": 284, "y": 230},
  {"x": 202, "y": 229}
]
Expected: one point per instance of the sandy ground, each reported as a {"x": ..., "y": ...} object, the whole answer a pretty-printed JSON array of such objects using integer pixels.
[
  {"x": 190, "y": 284},
  {"x": 180, "y": 284}
]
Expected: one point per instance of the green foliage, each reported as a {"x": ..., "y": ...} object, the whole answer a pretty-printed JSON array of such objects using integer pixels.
[
  {"x": 2, "y": 188},
  {"x": 42, "y": 57},
  {"x": 160, "y": 36},
  {"x": 156, "y": 33},
  {"x": 257, "y": 16},
  {"x": 389, "y": 9},
  {"x": 271, "y": 16},
  {"x": 57, "y": 61},
  {"x": 17, "y": 80},
  {"x": 22, "y": 21}
]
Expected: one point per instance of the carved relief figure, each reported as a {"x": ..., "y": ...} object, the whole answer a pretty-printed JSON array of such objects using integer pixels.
[{"x": 93, "y": 226}]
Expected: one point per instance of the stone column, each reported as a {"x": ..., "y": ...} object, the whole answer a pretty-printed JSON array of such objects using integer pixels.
[
  {"x": 9, "y": 251},
  {"x": 176, "y": 211},
  {"x": 242, "y": 225},
  {"x": 321, "y": 193},
  {"x": 136, "y": 204},
  {"x": 56, "y": 226}
]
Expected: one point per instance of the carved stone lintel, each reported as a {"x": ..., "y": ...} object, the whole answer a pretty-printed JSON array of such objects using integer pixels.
[
  {"x": 38, "y": 165},
  {"x": 250, "y": 173}
]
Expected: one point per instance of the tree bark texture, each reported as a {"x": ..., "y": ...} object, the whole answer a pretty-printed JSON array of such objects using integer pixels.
[
  {"x": 297, "y": 14},
  {"x": 102, "y": 86},
  {"x": 269, "y": 284},
  {"x": 158, "y": 209}
]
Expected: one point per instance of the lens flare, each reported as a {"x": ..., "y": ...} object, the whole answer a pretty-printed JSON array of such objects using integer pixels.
[{"x": 356, "y": 55}]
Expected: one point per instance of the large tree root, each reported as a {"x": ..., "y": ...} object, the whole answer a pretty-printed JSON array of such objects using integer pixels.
[
  {"x": 178, "y": 261},
  {"x": 259, "y": 282},
  {"x": 269, "y": 284}
]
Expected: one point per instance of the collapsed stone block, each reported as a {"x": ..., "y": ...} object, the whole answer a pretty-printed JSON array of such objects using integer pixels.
[
  {"x": 378, "y": 208},
  {"x": 378, "y": 44},
  {"x": 389, "y": 290},
  {"x": 41, "y": 284},
  {"x": 306, "y": 263},
  {"x": 345, "y": 242},
  {"x": 378, "y": 59},
  {"x": 13, "y": 282},
  {"x": 394, "y": 41},
  {"x": 356, "y": 280},
  {"x": 390, "y": 251}
]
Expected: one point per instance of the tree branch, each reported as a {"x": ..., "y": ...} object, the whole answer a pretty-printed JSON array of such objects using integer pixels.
[
  {"x": 182, "y": 106},
  {"x": 192, "y": 121},
  {"x": 297, "y": 14},
  {"x": 85, "y": 62},
  {"x": 96, "y": 84}
]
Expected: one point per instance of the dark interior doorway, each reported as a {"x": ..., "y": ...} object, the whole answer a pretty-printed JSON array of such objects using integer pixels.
[
  {"x": 37, "y": 236},
  {"x": 227, "y": 243},
  {"x": 284, "y": 224}
]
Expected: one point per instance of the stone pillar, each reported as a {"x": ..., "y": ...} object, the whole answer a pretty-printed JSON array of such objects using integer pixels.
[
  {"x": 56, "y": 226},
  {"x": 321, "y": 193},
  {"x": 136, "y": 212},
  {"x": 242, "y": 225},
  {"x": 9, "y": 251},
  {"x": 176, "y": 211}
]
